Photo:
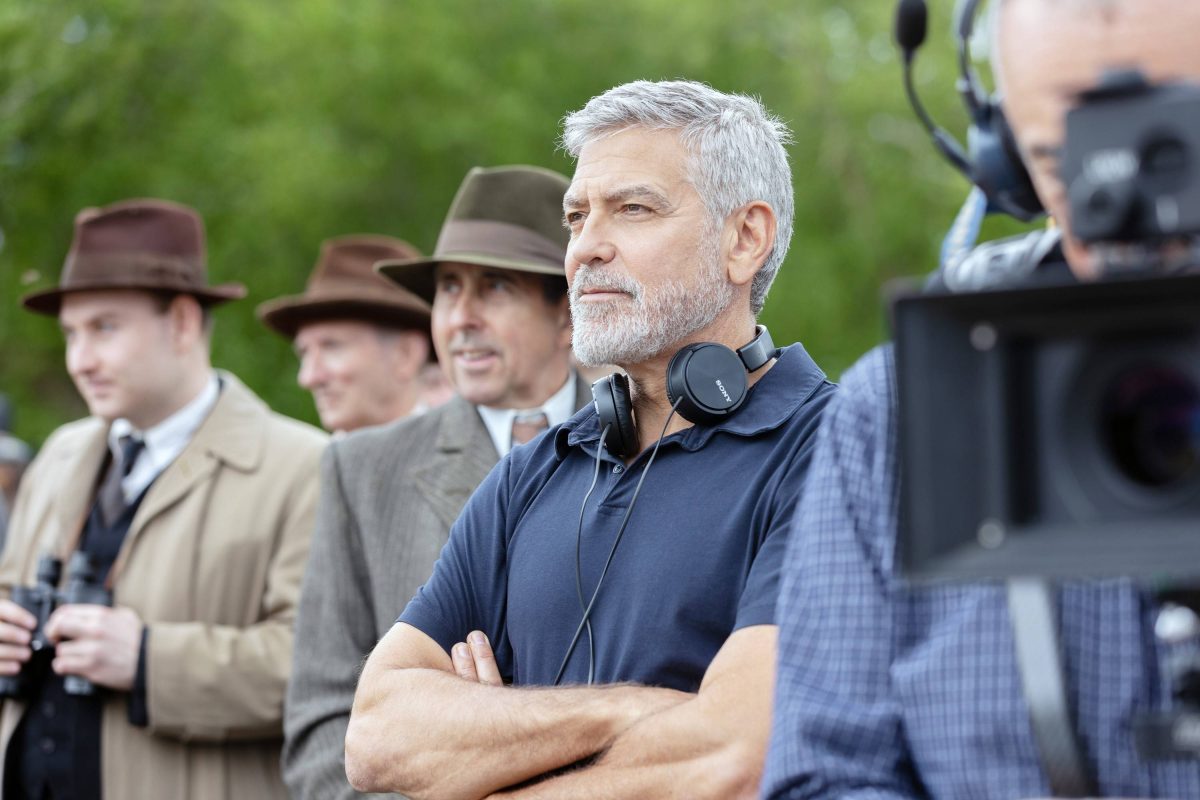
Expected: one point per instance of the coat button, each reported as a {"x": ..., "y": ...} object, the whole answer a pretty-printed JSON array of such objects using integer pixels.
[
  {"x": 48, "y": 745},
  {"x": 48, "y": 709}
]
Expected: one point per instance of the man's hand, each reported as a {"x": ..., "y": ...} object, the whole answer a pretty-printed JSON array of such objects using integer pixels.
[
  {"x": 97, "y": 643},
  {"x": 474, "y": 661},
  {"x": 16, "y": 626}
]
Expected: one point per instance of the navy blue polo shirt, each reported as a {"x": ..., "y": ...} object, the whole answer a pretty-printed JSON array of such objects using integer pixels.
[{"x": 700, "y": 557}]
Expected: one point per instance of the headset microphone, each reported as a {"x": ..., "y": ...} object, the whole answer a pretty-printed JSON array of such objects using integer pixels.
[{"x": 990, "y": 159}]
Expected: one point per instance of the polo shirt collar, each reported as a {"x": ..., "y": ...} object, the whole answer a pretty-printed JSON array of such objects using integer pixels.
[{"x": 772, "y": 401}]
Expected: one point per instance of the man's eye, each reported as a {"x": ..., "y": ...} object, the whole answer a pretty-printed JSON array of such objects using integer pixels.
[
  {"x": 573, "y": 218},
  {"x": 635, "y": 208}
]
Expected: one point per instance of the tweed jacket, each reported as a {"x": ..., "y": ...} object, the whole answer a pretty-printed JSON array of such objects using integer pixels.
[
  {"x": 212, "y": 563},
  {"x": 388, "y": 498}
]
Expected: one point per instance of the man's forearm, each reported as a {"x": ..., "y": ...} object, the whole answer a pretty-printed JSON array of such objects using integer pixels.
[
  {"x": 712, "y": 745},
  {"x": 676, "y": 753},
  {"x": 429, "y": 733}
]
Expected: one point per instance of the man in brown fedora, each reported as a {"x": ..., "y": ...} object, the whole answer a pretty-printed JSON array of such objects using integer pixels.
[
  {"x": 362, "y": 340},
  {"x": 187, "y": 499},
  {"x": 501, "y": 328}
]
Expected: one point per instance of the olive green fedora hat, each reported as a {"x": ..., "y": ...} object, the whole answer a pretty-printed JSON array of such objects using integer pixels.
[{"x": 507, "y": 217}]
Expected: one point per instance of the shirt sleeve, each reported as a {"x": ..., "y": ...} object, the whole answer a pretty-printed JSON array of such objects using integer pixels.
[
  {"x": 757, "y": 603},
  {"x": 837, "y": 729},
  {"x": 468, "y": 589}
]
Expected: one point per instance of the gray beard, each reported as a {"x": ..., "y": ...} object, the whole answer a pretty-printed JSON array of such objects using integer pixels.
[{"x": 635, "y": 330}]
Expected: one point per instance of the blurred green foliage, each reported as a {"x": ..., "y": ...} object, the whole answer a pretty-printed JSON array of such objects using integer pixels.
[{"x": 287, "y": 123}]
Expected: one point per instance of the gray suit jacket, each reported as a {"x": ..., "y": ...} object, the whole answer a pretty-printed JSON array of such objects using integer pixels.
[{"x": 388, "y": 498}]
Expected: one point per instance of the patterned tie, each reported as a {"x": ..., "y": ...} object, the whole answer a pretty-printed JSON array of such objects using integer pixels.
[
  {"x": 110, "y": 496},
  {"x": 527, "y": 426}
]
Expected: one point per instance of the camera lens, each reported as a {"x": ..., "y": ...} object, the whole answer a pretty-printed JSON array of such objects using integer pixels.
[{"x": 1150, "y": 424}]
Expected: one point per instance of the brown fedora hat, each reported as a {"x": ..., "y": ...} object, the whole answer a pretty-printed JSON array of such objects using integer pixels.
[
  {"x": 343, "y": 285},
  {"x": 507, "y": 217},
  {"x": 147, "y": 244}
]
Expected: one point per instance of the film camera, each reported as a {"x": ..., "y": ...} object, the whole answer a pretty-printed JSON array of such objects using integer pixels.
[
  {"x": 84, "y": 585},
  {"x": 1054, "y": 432}
]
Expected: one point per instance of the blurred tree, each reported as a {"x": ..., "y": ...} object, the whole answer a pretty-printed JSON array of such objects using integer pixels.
[{"x": 288, "y": 123}]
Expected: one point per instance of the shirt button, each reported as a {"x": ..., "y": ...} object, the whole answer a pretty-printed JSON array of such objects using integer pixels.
[
  {"x": 48, "y": 745},
  {"x": 48, "y": 709},
  {"x": 618, "y": 469}
]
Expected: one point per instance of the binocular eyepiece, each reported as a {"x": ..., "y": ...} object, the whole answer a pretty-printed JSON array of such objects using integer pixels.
[{"x": 84, "y": 585}]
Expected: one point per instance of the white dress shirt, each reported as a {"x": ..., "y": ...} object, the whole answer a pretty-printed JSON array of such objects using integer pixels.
[
  {"x": 164, "y": 442},
  {"x": 558, "y": 409}
]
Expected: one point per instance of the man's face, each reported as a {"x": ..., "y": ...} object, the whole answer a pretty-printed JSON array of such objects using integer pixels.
[
  {"x": 1051, "y": 50},
  {"x": 359, "y": 374},
  {"x": 124, "y": 354},
  {"x": 644, "y": 261},
  {"x": 500, "y": 341}
]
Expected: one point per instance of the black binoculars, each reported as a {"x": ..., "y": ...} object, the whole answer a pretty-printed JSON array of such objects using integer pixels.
[{"x": 84, "y": 585}]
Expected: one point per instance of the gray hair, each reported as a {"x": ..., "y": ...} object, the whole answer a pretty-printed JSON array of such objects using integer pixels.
[{"x": 736, "y": 146}]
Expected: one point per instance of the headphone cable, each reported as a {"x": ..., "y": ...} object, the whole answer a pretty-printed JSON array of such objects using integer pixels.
[
  {"x": 587, "y": 613},
  {"x": 578, "y": 567}
]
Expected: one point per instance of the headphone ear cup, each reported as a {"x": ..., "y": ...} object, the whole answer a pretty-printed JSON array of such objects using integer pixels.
[
  {"x": 708, "y": 381},
  {"x": 996, "y": 165},
  {"x": 614, "y": 407}
]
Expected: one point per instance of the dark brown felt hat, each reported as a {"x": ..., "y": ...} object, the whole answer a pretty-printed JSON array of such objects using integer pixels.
[
  {"x": 343, "y": 285},
  {"x": 507, "y": 217},
  {"x": 147, "y": 244}
]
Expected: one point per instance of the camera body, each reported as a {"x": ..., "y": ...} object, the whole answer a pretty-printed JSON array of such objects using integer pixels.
[
  {"x": 1055, "y": 431},
  {"x": 1130, "y": 161},
  {"x": 84, "y": 585}
]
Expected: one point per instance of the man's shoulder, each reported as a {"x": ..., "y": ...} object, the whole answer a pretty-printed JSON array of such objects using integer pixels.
[
  {"x": 381, "y": 441},
  {"x": 65, "y": 443},
  {"x": 405, "y": 443},
  {"x": 72, "y": 435}
]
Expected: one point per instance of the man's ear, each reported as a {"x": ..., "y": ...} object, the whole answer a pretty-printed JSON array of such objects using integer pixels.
[
  {"x": 187, "y": 322},
  {"x": 751, "y": 231},
  {"x": 411, "y": 351}
]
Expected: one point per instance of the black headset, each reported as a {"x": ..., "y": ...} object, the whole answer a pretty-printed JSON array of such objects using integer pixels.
[
  {"x": 991, "y": 160},
  {"x": 706, "y": 382}
]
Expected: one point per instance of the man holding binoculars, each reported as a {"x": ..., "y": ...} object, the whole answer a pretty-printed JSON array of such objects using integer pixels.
[{"x": 184, "y": 508}]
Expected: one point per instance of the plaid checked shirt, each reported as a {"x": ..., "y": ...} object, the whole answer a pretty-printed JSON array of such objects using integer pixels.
[{"x": 889, "y": 692}]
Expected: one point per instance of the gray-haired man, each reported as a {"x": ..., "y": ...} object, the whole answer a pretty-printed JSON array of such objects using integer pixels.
[{"x": 679, "y": 213}]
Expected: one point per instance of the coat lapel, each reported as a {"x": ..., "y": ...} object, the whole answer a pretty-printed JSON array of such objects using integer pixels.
[
  {"x": 81, "y": 473},
  {"x": 232, "y": 435},
  {"x": 463, "y": 456}
]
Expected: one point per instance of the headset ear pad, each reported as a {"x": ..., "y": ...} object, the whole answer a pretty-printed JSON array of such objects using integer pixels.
[
  {"x": 708, "y": 380},
  {"x": 614, "y": 407},
  {"x": 996, "y": 165}
]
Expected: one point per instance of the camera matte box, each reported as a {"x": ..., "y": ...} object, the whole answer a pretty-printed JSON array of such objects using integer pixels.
[{"x": 1007, "y": 468}]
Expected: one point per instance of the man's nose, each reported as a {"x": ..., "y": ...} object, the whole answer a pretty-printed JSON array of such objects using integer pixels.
[
  {"x": 81, "y": 355},
  {"x": 312, "y": 371},
  {"x": 591, "y": 245}
]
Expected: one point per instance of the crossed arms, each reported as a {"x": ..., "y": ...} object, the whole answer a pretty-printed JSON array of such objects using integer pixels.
[{"x": 431, "y": 724}]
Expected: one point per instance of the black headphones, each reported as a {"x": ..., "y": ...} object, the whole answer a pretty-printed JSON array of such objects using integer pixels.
[
  {"x": 706, "y": 382},
  {"x": 991, "y": 160}
]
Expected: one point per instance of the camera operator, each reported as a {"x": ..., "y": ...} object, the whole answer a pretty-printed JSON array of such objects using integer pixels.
[{"x": 885, "y": 690}]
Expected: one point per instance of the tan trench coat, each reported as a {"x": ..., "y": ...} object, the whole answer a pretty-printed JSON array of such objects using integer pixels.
[{"x": 212, "y": 563}]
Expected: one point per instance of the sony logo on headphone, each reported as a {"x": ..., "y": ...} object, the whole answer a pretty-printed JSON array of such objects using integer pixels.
[{"x": 724, "y": 393}]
